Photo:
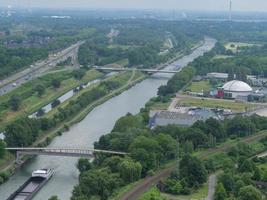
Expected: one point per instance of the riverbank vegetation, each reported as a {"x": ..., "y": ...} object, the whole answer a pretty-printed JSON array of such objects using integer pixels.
[
  {"x": 25, "y": 131},
  {"x": 31, "y": 96}
]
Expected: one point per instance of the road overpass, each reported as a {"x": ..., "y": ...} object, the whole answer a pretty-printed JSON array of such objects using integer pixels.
[
  {"x": 61, "y": 151},
  {"x": 142, "y": 70}
]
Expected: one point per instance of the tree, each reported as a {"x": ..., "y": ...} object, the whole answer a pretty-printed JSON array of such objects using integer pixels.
[
  {"x": 193, "y": 171},
  {"x": 130, "y": 171},
  {"x": 40, "y": 89},
  {"x": 231, "y": 75},
  {"x": 220, "y": 193},
  {"x": 98, "y": 182},
  {"x": 257, "y": 174},
  {"x": 147, "y": 151},
  {"x": 56, "y": 83},
  {"x": 152, "y": 194},
  {"x": 2, "y": 148},
  {"x": 228, "y": 181},
  {"x": 249, "y": 193},
  {"x": 84, "y": 165},
  {"x": 79, "y": 74},
  {"x": 188, "y": 147},
  {"x": 127, "y": 122},
  {"x": 53, "y": 198},
  {"x": 247, "y": 166},
  {"x": 168, "y": 144},
  {"x": 14, "y": 102},
  {"x": 215, "y": 128}
]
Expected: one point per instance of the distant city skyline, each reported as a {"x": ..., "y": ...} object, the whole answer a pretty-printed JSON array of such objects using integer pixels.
[{"x": 208, "y": 5}]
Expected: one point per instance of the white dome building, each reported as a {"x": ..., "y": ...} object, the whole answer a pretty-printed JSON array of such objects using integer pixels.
[{"x": 235, "y": 88}]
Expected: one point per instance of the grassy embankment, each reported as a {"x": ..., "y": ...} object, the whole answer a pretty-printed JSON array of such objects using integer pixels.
[
  {"x": 216, "y": 103},
  {"x": 31, "y": 102}
]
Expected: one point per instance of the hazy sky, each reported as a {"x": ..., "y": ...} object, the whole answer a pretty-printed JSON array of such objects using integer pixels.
[{"x": 244, "y": 5}]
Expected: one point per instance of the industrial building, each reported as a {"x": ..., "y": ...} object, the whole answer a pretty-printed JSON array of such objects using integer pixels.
[{"x": 234, "y": 89}]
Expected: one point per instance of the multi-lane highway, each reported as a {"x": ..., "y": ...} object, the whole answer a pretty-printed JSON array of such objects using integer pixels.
[{"x": 38, "y": 69}]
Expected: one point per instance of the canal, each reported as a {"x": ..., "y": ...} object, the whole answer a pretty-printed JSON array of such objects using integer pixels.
[{"x": 98, "y": 122}]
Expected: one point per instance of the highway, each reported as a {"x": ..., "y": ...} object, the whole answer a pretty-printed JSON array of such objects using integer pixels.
[{"x": 38, "y": 69}]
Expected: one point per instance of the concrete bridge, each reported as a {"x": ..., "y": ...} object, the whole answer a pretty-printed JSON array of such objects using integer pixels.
[
  {"x": 68, "y": 152},
  {"x": 131, "y": 69}
]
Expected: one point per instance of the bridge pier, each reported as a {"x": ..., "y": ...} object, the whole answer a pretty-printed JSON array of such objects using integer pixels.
[{"x": 18, "y": 158}]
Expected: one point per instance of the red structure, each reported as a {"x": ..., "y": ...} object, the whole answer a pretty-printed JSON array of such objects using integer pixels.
[{"x": 220, "y": 93}]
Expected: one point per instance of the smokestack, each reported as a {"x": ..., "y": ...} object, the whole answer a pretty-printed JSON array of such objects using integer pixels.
[{"x": 230, "y": 11}]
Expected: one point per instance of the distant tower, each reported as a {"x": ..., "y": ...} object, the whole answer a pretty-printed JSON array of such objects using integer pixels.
[
  {"x": 230, "y": 10},
  {"x": 9, "y": 11}
]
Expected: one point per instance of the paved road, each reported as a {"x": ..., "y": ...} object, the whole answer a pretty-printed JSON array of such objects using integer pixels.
[
  {"x": 212, "y": 185},
  {"x": 38, "y": 69}
]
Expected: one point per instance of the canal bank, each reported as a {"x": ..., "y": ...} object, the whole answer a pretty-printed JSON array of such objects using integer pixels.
[{"x": 98, "y": 122}]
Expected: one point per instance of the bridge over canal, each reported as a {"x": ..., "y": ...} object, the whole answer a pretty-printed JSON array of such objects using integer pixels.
[
  {"x": 62, "y": 151},
  {"x": 111, "y": 69}
]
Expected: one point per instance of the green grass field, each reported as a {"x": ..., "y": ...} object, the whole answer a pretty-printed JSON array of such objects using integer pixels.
[
  {"x": 215, "y": 103},
  {"x": 233, "y": 46},
  {"x": 221, "y": 57},
  {"x": 31, "y": 102},
  {"x": 199, "y": 86}
]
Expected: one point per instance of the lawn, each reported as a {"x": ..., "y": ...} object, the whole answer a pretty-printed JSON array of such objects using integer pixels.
[
  {"x": 199, "y": 86},
  {"x": 31, "y": 102},
  {"x": 221, "y": 57},
  {"x": 216, "y": 103},
  {"x": 237, "y": 45}
]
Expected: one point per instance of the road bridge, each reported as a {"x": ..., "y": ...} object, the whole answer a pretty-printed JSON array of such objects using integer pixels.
[
  {"x": 61, "y": 151},
  {"x": 142, "y": 70}
]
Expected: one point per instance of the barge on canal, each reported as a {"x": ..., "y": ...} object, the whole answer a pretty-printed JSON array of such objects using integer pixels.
[{"x": 30, "y": 188}]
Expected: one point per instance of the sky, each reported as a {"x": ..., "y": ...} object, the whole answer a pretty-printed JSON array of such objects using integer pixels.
[{"x": 210, "y": 5}]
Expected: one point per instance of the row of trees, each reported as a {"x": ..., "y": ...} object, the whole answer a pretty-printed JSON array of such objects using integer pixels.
[{"x": 177, "y": 82}]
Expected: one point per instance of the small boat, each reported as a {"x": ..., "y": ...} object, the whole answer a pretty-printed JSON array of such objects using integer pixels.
[
  {"x": 31, "y": 187},
  {"x": 43, "y": 173}
]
